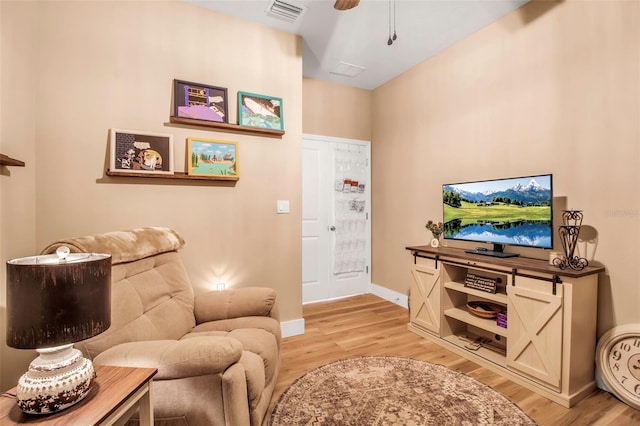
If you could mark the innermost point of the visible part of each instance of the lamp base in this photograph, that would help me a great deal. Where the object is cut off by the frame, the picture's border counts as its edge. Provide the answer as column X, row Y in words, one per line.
column 59, row 378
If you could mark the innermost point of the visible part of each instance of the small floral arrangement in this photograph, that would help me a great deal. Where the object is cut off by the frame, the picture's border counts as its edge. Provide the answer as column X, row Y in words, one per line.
column 436, row 228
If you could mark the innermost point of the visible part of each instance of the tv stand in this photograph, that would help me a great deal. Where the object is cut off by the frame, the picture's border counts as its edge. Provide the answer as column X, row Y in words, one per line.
column 549, row 343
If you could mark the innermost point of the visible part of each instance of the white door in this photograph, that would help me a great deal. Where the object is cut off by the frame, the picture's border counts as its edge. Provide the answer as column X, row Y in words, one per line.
column 315, row 238
column 336, row 225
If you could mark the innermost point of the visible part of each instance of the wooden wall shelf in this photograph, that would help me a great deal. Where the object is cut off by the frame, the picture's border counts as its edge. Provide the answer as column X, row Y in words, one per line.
column 8, row 161
column 212, row 125
column 175, row 175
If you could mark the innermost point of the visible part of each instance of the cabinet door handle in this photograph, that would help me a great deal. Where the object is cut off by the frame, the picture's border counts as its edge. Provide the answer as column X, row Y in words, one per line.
column 332, row 228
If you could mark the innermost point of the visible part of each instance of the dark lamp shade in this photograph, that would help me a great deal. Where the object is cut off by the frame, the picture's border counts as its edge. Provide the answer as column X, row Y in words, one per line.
column 52, row 302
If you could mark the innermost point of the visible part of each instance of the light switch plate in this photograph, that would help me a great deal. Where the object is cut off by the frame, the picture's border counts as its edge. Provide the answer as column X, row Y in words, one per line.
column 283, row 206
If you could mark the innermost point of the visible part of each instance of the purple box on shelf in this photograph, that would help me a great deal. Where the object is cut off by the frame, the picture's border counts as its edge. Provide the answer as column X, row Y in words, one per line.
column 501, row 319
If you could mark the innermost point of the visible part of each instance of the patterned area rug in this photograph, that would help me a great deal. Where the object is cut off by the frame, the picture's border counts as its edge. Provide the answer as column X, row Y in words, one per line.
column 392, row 391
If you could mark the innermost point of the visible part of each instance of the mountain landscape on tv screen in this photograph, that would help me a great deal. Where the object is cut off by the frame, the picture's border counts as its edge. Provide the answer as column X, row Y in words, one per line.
column 531, row 193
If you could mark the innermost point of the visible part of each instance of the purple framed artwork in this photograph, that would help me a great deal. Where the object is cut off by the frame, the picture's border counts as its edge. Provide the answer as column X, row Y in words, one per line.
column 200, row 102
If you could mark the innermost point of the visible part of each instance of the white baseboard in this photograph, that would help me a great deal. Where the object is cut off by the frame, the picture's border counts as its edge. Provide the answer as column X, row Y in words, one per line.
column 292, row 328
column 390, row 295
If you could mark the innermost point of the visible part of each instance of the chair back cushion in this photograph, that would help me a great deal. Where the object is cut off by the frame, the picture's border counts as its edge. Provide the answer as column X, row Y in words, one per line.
column 151, row 295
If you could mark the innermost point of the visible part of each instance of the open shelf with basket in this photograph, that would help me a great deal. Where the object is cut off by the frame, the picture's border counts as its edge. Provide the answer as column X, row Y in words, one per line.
column 472, row 299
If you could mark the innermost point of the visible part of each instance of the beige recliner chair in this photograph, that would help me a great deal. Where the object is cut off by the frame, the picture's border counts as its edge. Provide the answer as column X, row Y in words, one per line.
column 217, row 353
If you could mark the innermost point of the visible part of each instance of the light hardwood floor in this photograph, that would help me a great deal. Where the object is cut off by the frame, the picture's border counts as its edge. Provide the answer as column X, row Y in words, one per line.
column 366, row 325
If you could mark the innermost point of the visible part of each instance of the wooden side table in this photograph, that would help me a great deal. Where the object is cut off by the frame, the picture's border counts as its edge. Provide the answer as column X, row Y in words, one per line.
column 113, row 398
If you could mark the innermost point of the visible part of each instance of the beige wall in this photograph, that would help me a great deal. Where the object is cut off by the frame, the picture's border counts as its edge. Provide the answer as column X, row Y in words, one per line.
column 17, row 140
column 92, row 66
column 330, row 109
column 552, row 87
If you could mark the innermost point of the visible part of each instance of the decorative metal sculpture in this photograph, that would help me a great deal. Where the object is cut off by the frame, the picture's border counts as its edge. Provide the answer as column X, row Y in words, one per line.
column 569, row 232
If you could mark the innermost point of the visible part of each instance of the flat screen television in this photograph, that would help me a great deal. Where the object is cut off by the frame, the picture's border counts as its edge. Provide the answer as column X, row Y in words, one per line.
column 513, row 211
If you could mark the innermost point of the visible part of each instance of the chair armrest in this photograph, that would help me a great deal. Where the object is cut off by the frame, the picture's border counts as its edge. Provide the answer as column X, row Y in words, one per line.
column 174, row 359
column 235, row 303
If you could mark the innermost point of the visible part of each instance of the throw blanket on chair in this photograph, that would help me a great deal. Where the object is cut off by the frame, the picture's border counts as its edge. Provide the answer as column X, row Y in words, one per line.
column 124, row 246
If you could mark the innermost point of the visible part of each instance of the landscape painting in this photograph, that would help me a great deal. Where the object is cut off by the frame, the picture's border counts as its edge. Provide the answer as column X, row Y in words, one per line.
column 509, row 211
column 260, row 111
column 213, row 158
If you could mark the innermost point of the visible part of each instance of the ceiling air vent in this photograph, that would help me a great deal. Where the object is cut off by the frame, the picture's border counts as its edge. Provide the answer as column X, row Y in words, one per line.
column 347, row 70
column 285, row 11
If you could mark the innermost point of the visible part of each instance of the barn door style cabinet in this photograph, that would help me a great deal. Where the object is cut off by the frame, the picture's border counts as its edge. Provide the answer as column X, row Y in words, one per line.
column 547, row 341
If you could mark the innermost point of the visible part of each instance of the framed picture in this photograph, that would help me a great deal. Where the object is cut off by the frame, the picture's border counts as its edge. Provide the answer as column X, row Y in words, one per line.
column 200, row 102
column 141, row 152
column 213, row 158
column 260, row 111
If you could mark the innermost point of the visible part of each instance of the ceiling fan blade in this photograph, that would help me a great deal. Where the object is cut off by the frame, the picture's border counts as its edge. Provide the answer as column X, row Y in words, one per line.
column 345, row 4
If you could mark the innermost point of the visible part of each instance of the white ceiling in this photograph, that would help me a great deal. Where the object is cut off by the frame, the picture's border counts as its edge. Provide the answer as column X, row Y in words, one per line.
column 359, row 36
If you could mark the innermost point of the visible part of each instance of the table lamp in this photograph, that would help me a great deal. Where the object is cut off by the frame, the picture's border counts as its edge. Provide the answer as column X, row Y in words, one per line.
column 52, row 302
